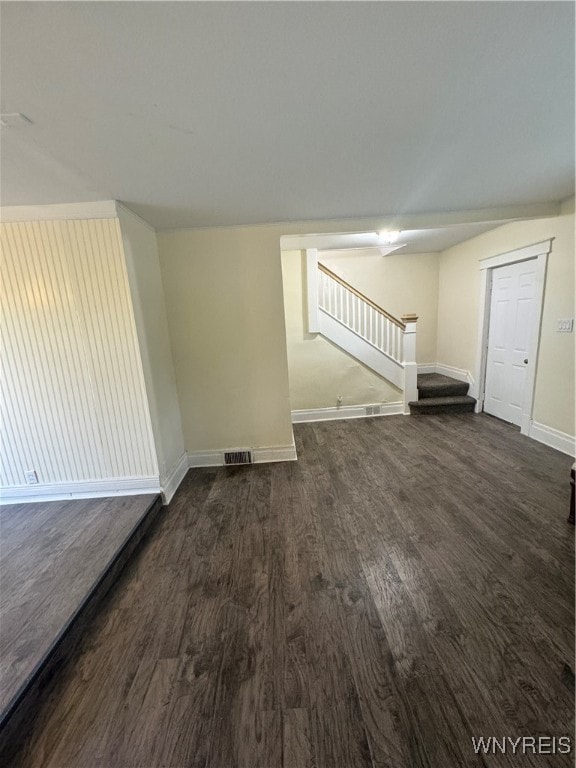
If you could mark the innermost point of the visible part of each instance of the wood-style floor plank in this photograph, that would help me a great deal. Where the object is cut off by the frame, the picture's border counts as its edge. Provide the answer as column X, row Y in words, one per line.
column 406, row 585
column 51, row 555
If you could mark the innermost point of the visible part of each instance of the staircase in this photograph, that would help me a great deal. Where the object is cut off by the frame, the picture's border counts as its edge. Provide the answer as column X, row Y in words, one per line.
column 441, row 394
column 384, row 343
column 352, row 321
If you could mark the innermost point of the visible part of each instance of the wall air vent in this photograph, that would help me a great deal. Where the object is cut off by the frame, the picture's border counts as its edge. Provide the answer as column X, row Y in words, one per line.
column 372, row 410
column 238, row 457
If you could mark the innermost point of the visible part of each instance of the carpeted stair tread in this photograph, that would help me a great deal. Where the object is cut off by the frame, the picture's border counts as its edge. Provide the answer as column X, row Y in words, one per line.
column 433, row 385
column 449, row 404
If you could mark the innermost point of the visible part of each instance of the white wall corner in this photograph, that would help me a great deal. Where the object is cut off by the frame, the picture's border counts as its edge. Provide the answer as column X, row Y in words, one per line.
column 347, row 412
column 91, row 489
column 173, row 478
column 554, row 438
column 123, row 209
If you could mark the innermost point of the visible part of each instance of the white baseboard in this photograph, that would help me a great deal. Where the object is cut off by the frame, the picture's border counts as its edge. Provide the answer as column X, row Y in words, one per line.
column 260, row 456
column 553, row 438
column 91, row 489
column 174, row 478
column 346, row 412
column 456, row 373
column 205, row 459
column 278, row 453
column 427, row 368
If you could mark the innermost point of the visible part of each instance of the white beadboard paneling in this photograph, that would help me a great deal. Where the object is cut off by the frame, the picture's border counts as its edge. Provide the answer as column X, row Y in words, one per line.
column 73, row 402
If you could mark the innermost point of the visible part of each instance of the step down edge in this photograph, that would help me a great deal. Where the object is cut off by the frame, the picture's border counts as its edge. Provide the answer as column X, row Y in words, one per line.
column 438, row 405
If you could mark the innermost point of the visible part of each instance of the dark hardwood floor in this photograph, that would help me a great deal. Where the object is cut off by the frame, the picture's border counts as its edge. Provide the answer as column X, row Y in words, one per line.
column 406, row 585
column 52, row 555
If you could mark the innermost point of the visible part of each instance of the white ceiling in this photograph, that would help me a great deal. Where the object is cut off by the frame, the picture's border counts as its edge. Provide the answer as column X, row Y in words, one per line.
column 202, row 114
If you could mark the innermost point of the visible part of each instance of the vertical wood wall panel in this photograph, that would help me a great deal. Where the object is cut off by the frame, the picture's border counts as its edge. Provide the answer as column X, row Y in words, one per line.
column 73, row 400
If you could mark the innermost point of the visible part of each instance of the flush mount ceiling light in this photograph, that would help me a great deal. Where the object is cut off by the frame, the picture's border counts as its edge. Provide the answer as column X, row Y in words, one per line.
column 13, row 120
column 387, row 238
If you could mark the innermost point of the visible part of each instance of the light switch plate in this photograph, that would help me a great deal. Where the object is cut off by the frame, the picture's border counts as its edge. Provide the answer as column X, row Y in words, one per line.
column 565, row 326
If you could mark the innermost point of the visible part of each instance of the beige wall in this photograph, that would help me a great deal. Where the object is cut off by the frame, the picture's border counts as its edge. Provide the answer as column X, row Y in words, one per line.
column 73, row 396
column 458, row 299
column 399, row 283
column 77, row 386
column 225, row 302
column 223, row 291
column 143, row 267
column 225, row 306
column 318, row 370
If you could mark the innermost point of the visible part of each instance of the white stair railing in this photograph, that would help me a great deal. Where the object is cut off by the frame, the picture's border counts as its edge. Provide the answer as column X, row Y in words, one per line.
column 360, row 314
column 393, row 339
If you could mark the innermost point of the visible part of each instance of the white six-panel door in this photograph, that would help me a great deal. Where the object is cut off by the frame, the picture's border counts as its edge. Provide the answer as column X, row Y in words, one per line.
column 512, row 315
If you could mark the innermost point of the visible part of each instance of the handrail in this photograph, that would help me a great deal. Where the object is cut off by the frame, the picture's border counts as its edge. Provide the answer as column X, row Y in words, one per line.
column 361, row 296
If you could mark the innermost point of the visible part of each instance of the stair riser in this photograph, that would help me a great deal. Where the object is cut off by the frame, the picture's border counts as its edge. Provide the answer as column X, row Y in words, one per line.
column 438, row 409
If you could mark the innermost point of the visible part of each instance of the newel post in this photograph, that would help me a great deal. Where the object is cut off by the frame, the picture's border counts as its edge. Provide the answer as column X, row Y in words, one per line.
column 409, row 360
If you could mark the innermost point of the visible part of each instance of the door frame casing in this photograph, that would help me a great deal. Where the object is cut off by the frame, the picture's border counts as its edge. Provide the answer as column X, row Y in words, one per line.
column 539, row 252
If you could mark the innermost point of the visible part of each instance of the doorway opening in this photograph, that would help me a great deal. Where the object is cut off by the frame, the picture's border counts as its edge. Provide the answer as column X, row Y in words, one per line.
column 512, row 294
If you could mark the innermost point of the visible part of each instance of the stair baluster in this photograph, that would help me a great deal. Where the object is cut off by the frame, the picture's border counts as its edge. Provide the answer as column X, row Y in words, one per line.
column 390, row 343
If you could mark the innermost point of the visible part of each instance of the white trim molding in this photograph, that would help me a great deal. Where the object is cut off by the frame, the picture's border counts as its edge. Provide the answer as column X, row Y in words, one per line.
column 348, row 412
column 277, row 453
column 338, row 241
column 330, row 241
column 205, row 459
column 448, row 370
column 520, row 254
column 173, row 479
column 103, row 209
column 554, row 438
column 460, row 374
column 539, row 252
column 427, row 368
column 121, row 208
column 91, row 489
column 265, row 455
